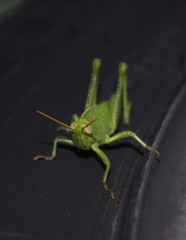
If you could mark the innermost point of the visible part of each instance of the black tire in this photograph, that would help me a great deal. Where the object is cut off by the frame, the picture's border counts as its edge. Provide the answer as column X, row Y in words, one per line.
column 46, row 54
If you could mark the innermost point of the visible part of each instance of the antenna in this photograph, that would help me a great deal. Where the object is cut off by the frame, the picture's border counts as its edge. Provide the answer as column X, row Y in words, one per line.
column 55, row 120
column 88, row 124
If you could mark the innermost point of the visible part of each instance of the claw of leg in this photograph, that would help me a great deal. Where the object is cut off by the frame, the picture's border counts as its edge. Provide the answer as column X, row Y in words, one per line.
column 155, row 151
column 108, row 190
column 43, row 157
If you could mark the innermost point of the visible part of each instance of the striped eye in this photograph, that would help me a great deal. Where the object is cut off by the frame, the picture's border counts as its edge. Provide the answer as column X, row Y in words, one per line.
column 87, row 128
column 73, row 125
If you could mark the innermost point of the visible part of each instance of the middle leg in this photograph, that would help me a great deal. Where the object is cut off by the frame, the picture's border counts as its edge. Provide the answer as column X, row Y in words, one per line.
column 125, row 134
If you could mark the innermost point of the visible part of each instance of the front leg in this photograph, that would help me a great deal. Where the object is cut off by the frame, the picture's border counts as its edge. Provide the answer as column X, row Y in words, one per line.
column 126, row 134
column 106, row 161
column 54, row 149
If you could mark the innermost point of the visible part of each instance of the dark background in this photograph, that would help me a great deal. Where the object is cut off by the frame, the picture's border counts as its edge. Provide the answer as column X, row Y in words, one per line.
column 46, row 51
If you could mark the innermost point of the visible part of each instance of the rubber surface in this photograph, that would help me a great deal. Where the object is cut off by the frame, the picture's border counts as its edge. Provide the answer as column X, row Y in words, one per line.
column 46, row 50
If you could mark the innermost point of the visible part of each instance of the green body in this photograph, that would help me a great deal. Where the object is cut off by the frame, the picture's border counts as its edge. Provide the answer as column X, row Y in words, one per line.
column 98, row 123
column 106, row 113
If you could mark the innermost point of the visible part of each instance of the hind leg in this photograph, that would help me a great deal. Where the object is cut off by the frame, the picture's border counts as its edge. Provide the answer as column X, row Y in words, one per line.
column 116, row 100
column 126, row 103
column 92, row 92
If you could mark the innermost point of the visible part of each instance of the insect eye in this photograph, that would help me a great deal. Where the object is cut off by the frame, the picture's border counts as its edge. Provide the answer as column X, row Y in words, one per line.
column 73, row 125
column 87, row 128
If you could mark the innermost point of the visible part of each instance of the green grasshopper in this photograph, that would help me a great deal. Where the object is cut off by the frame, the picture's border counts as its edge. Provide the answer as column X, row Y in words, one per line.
column 98, row 123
